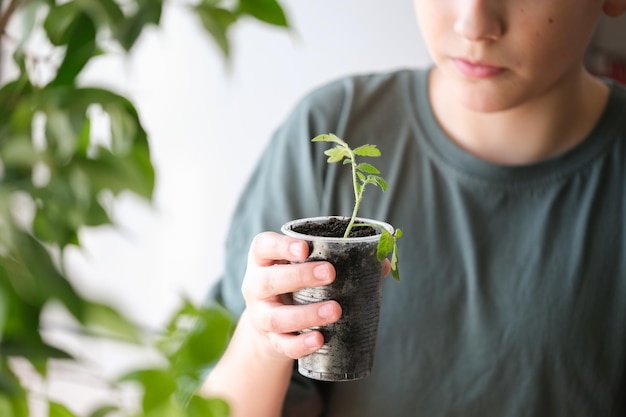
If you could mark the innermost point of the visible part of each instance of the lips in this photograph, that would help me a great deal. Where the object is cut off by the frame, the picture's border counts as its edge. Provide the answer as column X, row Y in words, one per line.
column 476, row 69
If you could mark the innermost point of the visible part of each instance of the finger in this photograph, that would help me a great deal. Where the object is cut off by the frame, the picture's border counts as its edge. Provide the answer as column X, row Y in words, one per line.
column 269, row 247
column 278, row 318
column 387, row 267
column 296, row 346
column 271, row 281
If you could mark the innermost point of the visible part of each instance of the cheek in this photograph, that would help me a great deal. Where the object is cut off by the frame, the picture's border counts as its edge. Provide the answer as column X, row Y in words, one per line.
column 556, row 43
column 552, row 34
column 433, row 23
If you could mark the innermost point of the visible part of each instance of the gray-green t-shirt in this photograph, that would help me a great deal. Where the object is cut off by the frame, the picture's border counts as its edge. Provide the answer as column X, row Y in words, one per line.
column 513, row 294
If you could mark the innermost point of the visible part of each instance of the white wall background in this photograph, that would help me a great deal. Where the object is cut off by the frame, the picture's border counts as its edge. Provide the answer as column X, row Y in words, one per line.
column 207, row 125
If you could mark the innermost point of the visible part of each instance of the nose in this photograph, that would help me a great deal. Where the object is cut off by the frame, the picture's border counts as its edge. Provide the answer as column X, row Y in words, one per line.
column 479, row 20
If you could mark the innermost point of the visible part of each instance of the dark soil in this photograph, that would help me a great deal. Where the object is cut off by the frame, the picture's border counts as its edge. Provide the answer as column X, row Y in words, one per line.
column 334, row 227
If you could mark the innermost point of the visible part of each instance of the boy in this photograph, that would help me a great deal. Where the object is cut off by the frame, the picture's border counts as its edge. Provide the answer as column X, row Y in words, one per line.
column 506, row 171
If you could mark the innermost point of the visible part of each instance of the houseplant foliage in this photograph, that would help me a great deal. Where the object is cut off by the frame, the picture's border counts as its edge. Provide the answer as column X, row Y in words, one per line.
column 57, row 178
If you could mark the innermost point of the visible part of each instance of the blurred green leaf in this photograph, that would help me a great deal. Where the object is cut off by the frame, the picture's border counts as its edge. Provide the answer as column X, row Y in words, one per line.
column 129, row 29
column 165, row 409
column 81, row 47
column 22, row 117
column 59, row 410
column 115, row 173
column 268, row 11
column 14, row 106
column 205, row 341
column 13, row 399
column 58, row 24
column 104, row 411
column 33, row 351
column 42, row 270
column 60, row 134
column 159, row 386
column 106, row 13
column 84, row 139
column 18, row 153
column 216, row 21
column 204, row 407
column 7, row 385
column 115, row 325
column 13, row 407
column 96, row 215
column 23, row 303
column 6, row 410
column 124, row 127
column 29, row 12
column 4, row 305
column 57, row 218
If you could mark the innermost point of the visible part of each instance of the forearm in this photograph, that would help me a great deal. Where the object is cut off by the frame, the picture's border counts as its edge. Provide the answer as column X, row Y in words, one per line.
column 253, row 383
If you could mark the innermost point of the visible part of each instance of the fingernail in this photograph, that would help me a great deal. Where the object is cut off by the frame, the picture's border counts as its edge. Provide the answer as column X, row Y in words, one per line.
column 321, row 272
column 296, row 249
column 326, row 311
column 310, row 341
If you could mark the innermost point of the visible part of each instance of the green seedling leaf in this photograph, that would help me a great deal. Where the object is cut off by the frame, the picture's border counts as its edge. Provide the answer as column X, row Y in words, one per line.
column 385, row 245
column 337, row 154
column 395, row 273
column 328, row 138
column 367, row 150
column 380, row 182
column 367, row 168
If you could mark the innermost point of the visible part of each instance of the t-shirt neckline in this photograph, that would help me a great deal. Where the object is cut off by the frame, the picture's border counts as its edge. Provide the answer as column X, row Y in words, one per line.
column 453, row 157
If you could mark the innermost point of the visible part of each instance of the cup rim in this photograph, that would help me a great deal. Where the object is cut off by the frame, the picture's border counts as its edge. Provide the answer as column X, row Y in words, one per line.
column 286, row 229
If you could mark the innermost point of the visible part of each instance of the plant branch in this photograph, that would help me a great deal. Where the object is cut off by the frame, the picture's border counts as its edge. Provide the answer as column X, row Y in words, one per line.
column 357, row 195
column 8, row 12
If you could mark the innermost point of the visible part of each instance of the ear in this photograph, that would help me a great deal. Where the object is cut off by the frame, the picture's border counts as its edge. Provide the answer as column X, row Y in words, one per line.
column 614, row 8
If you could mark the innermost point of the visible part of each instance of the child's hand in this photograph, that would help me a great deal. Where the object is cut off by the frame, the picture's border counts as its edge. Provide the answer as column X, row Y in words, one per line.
column 270, row 279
